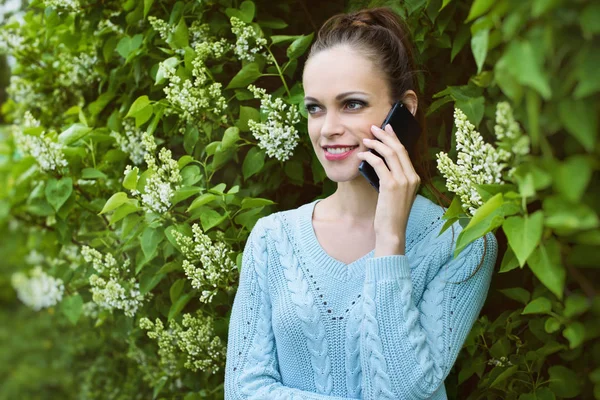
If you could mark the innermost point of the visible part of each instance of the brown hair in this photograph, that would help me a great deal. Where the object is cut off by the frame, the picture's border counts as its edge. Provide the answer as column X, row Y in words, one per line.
column 381, row 34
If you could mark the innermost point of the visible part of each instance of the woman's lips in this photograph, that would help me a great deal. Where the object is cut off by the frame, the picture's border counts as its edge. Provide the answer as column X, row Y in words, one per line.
column 337, row 157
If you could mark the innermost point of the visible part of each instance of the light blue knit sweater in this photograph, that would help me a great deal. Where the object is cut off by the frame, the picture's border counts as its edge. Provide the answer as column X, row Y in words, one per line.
column 307, row 326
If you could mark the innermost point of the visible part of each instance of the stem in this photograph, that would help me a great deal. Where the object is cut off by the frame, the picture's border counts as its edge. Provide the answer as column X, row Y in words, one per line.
column 280, row 73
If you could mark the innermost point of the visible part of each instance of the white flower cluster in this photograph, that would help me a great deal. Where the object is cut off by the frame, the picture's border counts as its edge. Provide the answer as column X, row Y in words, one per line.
column 193, row 99
column 101, row 264
column 9, row 39
column 162, row 182
column 63, row 5
column 76, row 70
column 23, row 91
column 199, row 32
column 207, row 264
column 90, row 310
column 478, row 163
column 131, row 142
column 502, row 362
column 509, row 132
column 195, row 338
column 48, row 153
column 160, row 26
column 249, row 43
column 277, row 135
column 109, row 26
column 39, row 290
column 114, row 294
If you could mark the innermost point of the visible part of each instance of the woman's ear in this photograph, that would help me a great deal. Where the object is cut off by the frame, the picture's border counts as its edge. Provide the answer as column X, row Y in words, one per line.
column 411, row 101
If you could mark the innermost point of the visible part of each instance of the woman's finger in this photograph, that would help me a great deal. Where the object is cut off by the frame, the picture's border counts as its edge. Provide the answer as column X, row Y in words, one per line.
column 400, row 149
column 378, row 165
column 388, row 154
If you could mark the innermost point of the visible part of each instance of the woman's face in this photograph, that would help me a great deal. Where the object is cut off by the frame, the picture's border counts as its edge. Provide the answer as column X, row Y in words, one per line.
column 345, row 93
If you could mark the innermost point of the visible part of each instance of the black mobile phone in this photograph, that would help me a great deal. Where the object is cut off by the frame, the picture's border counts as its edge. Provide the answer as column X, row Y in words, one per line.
column 407, row 129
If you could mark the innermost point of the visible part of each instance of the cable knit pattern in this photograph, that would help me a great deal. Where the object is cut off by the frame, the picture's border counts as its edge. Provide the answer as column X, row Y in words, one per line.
column 307, row 312
column 306, row 326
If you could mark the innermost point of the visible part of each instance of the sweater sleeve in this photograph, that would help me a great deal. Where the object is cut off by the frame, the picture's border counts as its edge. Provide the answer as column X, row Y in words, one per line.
column 408, row 349
column 252, row 370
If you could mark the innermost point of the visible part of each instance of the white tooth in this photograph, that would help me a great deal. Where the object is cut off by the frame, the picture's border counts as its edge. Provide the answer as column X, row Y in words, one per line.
column 339, row 150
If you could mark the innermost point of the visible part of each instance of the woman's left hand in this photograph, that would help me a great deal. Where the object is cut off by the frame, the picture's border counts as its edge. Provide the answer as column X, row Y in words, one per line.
column 398, row 188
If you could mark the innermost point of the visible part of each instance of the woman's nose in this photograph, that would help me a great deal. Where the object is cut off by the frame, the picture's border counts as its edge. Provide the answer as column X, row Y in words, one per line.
column 332, row 124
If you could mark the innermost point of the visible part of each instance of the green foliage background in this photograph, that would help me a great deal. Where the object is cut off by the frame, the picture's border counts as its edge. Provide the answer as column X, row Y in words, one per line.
column 537, row 337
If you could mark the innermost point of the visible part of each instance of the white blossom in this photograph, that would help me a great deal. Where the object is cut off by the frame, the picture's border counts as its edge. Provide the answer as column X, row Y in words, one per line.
column 46, row 151
column 113, row 294
column 163, row 180
column 508, row 131
column 478, row 163
column 207, row 265
column 160, row 26
column 277, row 135
column 38, row 290
column 101, row 264
column 131, row 141
column 249, row 42
column 195, row 338
column 63, row 5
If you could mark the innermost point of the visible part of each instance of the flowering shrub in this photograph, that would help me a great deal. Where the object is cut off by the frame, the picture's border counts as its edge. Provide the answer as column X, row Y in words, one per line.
column 145, row 139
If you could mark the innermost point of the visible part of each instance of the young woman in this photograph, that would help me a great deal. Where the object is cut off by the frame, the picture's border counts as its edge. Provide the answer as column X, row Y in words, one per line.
column 356, row 295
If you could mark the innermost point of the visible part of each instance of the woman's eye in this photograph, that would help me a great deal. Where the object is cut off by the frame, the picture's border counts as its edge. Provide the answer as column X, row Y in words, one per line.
column 312, row 108
column 354, row 105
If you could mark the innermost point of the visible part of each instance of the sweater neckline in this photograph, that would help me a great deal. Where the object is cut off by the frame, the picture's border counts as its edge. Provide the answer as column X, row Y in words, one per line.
column 333, row 266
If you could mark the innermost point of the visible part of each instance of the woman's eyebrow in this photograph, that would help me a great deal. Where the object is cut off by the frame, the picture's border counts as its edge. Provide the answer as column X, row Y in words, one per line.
column 338, row 97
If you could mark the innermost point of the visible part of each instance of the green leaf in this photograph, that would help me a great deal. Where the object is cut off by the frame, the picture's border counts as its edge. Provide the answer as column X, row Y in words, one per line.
column 127, row 45
column 473, row 108
column 159, row 386
column 73, row 133
column 179, row 305
column 138, row 105
column 552, row 325
column 283, row 38
column 116, row 200
column 299, row 46
column 147, row 7
column 248, row 74
column 509, row 261
column 72, row 306
column 58, row 191
column 170, row 62
column 524, row 234
column 575, row 334
column 179, row 39
column 541, row 305
column 478, row 8
column 124, row 210
column 176, row 289
column 519, row 294
column 510, row 371
column 201, row 200
column 567, row 217
column 545, row 263
column 452, row 214
column 255, row 202
column 273, row 23
column 564, row 382
column 131, row 179
column 479, row 46
column 190, row 175
column 92, row 173
column 254, row 162
column 526, row 68
column 572, row 177
column 581, row 121
column 487, row 217
column 184, row 192
column 150, row 240
column 247, row 114
column 575, row 305
column 230, row 137
column 247, row 11
column 210, row 218
column 149, row 280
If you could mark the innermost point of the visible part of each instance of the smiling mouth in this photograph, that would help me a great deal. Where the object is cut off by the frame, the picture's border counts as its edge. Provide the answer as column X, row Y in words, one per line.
column 339, row 150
